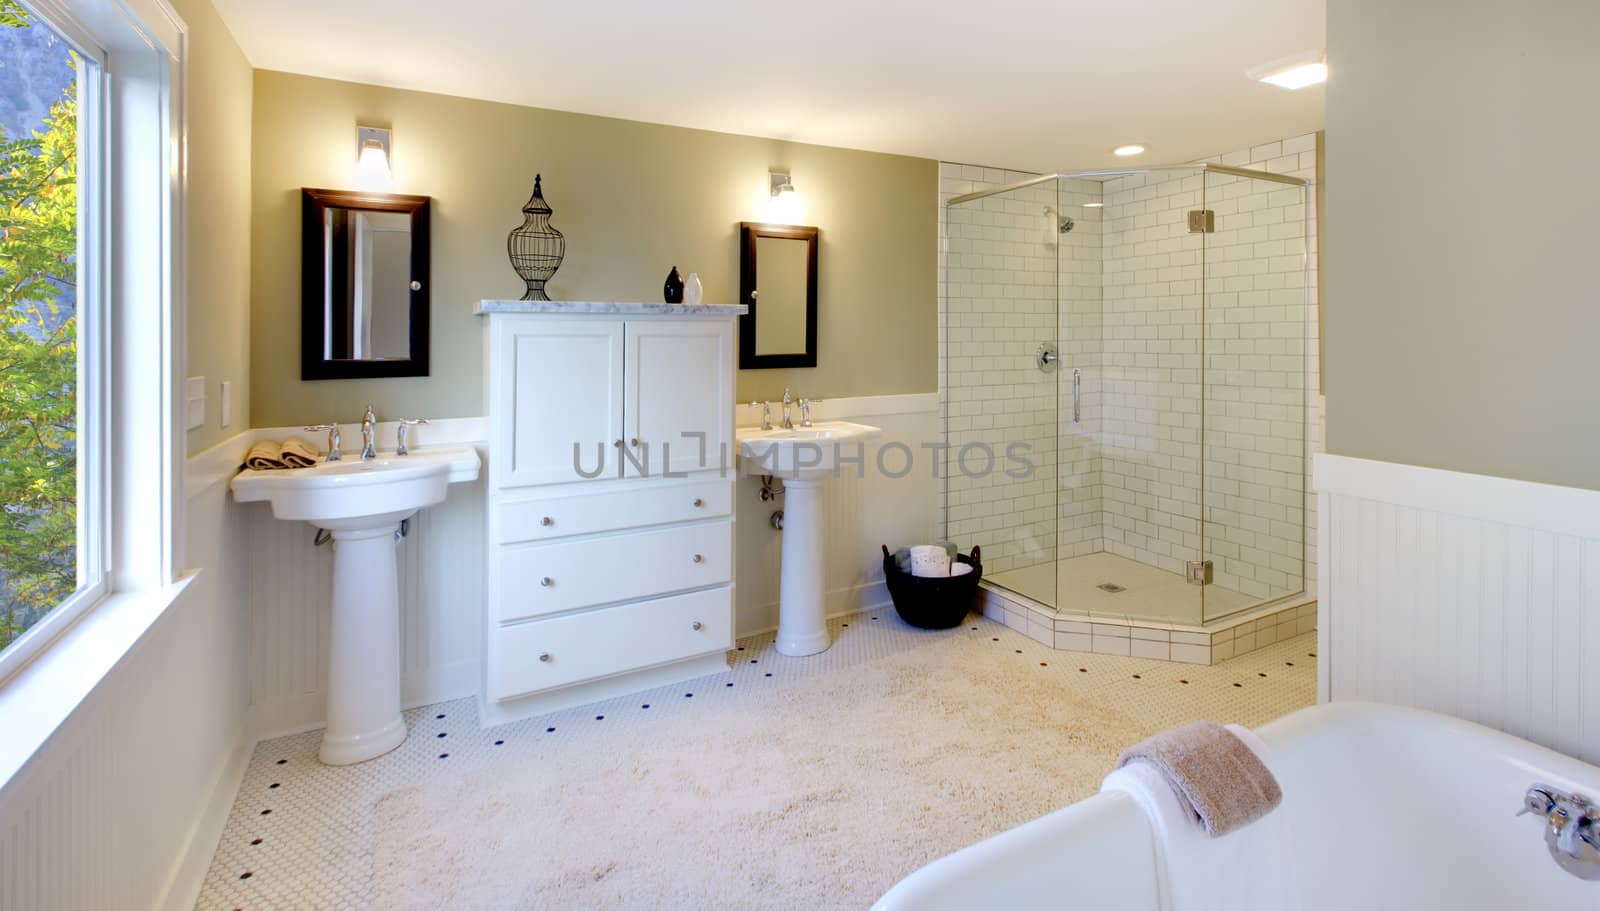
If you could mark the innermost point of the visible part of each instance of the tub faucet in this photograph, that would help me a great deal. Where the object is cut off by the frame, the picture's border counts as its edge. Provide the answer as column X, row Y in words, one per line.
column 369, row 430
column 1572, row 828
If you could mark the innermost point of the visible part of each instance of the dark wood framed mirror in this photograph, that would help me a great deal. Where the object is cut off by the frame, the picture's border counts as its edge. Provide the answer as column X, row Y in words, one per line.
column 778, row 281
column 364, row 285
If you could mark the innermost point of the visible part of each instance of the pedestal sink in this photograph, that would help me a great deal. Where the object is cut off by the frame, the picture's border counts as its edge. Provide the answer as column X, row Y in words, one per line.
column 362, row 504
column 804, row 457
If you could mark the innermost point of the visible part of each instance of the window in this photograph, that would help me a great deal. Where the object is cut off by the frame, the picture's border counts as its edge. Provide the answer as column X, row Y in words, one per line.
column 48, row 544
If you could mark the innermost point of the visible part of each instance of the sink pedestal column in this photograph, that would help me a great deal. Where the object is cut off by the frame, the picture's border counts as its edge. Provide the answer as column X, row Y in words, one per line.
column 364, row 719
column 802, row 619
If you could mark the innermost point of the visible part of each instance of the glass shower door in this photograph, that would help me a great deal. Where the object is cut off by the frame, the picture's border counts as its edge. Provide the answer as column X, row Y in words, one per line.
column 999, row 466
column 1256, row 275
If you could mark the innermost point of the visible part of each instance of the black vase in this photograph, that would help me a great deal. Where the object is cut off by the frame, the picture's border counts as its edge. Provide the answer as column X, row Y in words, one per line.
column 673, row 289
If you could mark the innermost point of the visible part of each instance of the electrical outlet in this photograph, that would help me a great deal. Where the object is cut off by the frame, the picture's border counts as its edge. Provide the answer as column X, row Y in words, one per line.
column 227, row 402
column 194, row 410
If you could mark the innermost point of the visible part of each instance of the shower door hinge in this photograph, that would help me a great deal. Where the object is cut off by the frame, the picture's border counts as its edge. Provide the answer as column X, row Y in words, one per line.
column 1199, row 572
column 1202, row 221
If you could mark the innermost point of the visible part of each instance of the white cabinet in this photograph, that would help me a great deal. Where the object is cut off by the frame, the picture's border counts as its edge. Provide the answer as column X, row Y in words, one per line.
column 611, row 570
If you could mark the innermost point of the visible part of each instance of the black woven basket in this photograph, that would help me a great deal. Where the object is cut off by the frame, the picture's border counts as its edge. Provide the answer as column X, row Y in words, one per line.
column 928, row 601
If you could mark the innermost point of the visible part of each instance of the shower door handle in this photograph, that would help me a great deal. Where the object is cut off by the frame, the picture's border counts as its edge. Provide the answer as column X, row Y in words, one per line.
column 1077, row 383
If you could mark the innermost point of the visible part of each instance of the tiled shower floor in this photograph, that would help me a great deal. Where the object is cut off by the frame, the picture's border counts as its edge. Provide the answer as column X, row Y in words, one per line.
column 1071, row 586
column 300, row 835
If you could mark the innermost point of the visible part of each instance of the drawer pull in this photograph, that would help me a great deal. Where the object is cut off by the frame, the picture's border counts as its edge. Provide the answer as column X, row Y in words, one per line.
column 547, row 582
column 545, row 657
column 697, row 626
column 547, row 521
column 698, row 502
column 699, row 559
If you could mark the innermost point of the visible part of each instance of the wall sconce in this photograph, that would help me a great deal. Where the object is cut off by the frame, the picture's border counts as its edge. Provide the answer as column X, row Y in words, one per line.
column 373, row 146
column 784, row 208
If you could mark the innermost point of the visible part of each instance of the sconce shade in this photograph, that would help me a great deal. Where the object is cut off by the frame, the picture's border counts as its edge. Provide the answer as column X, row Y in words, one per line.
column 535, row 247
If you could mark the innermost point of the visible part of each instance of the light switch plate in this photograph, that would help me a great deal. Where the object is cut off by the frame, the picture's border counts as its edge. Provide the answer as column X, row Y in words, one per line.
column 194, row 409
column 227, row 402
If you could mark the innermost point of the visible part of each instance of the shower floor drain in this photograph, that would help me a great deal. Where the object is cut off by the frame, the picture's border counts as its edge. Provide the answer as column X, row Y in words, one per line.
column 1111, row 587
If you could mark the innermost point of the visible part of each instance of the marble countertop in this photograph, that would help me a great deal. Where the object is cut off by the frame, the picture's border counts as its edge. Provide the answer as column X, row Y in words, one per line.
column 614, row 307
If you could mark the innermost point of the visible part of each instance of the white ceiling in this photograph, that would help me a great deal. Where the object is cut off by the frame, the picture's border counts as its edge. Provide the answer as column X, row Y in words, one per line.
column 1027, row 84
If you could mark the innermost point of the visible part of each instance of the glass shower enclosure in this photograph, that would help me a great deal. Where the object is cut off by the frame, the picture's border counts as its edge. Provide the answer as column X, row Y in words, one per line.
column 1124, row 389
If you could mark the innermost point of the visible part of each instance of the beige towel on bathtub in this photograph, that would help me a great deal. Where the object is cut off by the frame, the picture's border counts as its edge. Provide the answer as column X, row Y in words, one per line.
column 265, row 456
column 1220, row 780
column 297, row 453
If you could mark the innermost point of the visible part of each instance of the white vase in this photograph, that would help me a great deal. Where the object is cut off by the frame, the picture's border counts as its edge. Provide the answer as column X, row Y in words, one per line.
column 692, row 289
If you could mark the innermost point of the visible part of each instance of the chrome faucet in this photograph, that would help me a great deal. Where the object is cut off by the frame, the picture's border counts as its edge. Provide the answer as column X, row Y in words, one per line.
column 805, row 412
column 788, row 399
column 369, row 431
column 766, row 414
column 333, row 440
column 400, row 447
column 1572, row 828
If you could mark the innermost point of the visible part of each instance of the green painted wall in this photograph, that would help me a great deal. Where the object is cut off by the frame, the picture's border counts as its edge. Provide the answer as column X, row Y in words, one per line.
column 633, row 199
column 1462, row 319
column 218, row 209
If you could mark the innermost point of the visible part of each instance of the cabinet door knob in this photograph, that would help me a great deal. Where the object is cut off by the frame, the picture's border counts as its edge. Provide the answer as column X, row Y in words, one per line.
column 547, row 521
column 547, row 582
column 697, row 626
column 698, row 502
column 634, row 442
column 545, row 657
column 617, row 443
column 699, row 559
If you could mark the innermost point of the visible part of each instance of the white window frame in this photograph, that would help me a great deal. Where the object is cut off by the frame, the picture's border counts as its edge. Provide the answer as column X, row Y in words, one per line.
column 131, row 251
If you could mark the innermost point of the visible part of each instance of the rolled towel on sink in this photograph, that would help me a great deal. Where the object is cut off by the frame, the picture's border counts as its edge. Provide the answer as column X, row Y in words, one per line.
column 297, row 453
column 265, row 456
column 1220, row 781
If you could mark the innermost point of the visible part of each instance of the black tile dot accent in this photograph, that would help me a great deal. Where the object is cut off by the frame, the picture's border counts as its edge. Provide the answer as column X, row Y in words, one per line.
column 246, row 875
column 1044, row 664
column 1289, row 663
column 769, row 673
column 688, row 695
column 1261, row 675
column 255, row 841
column 439, row 717
column 874, row 618
column 645, row 706
column 728, row 684
column 549, row 730
column 844, row 624
column 1137, row 677
column 995, row 639
column 441, row 734
column 1019, row 651
column 444, row 755
column 741, row 648
column 974, row 629
column 266, row 812
column 1240, row 685
column 599, row 717
column 754, row 661
column 273, row 787
column 282, row 761
column 1183, row 681
column 1083, row 670
column 499, row 743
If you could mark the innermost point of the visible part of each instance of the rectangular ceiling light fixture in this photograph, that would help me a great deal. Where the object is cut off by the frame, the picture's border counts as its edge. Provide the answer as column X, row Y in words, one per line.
column 1297, row 72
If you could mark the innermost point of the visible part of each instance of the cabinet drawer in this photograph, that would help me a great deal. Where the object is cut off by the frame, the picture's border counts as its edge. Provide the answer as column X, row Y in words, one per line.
column 538, row 579
column 545, row 654
column 594, row 510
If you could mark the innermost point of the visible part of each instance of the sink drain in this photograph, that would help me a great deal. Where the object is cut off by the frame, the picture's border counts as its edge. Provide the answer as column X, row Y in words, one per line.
column 1111, row 587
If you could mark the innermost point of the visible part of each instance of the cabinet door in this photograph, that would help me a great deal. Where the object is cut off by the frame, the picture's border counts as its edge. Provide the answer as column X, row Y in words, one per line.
column 680, row 381
column 557, row 383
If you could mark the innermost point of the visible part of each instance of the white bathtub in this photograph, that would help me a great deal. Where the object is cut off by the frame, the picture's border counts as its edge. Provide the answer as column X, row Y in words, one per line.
column 1388, row 808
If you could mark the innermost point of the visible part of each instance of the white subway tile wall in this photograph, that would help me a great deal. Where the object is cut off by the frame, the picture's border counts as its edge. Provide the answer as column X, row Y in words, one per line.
column 1196, row 416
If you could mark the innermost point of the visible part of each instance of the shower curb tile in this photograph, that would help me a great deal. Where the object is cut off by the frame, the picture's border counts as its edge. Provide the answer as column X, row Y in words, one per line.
column 1145, row 648
column 1153, row 635
column 1073, row 626
column 1191, row 654
column 1102, row 630
column 1111, row 646
column 1074, row 642
column 1184, row 637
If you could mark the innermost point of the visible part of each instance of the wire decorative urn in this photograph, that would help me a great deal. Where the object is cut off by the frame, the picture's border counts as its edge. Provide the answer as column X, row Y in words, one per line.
column 535, row 247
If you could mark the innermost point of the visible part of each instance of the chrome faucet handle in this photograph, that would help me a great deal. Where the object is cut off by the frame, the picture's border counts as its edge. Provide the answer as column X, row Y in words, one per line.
column 400, row 447
column 369, row 431
column 766, row 414
column 805, row 412
column 1572, row 828
column 333, row 439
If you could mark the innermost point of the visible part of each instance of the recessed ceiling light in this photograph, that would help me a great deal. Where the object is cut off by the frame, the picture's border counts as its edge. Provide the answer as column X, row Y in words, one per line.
column 1130, row 149
column 1093, row 205
column 1295, row 72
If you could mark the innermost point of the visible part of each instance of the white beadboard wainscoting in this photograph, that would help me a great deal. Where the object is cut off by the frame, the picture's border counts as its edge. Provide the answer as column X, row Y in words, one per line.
column 442, row 563
column 1470, row 595
column 123, row 806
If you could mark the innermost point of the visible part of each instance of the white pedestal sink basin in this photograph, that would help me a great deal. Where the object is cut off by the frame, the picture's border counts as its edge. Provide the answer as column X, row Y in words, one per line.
column 362, row 503
column 804, row 457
